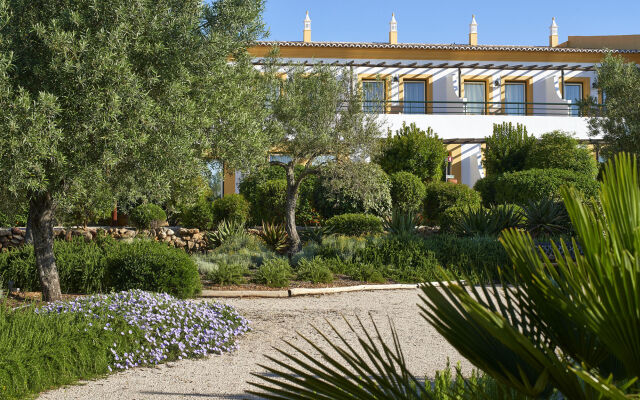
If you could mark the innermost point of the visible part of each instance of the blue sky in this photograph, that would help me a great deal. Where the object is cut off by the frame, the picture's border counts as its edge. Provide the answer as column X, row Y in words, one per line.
column 499, row 22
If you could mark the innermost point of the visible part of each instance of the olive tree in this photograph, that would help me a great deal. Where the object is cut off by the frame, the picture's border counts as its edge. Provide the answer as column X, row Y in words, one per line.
column 320, row 119
column 121, row 97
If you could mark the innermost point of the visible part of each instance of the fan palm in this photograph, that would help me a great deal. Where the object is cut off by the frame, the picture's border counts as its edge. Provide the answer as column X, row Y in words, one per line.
column 566, row 330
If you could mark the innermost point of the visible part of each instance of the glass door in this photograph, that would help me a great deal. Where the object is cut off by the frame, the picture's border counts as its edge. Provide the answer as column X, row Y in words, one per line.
column 474, row 92
column 373, row 92
column 573, row 92
column 514, row 98
column 414, row 97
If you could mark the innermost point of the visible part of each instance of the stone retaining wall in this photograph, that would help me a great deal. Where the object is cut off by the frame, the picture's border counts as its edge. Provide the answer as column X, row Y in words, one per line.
column 191, row 240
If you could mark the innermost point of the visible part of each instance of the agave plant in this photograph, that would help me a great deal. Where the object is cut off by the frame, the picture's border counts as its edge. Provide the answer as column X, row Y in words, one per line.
column 487, row 222
column 401, row 223
column 569, row 330
column 225, row 231
column 545, row 218
column 316, row 234
column 274, row 236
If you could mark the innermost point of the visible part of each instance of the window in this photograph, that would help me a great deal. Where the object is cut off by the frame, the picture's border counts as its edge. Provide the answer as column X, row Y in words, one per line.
column 215, row 178
column 283, row 158
column 414, row 97
column 475, row 93
column 373, row 92
column 573, row 92
column 514, row 92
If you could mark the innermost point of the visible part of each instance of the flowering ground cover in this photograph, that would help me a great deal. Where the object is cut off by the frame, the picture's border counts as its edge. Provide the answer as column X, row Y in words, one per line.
column 63, row 342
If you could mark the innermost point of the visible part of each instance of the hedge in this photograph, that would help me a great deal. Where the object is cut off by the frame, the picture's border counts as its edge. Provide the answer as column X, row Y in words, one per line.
column 355, row 224
column 407, row 192
column 442, row 195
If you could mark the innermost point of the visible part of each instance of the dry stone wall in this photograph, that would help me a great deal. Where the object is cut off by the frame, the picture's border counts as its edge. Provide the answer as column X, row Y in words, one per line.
column 191, row 240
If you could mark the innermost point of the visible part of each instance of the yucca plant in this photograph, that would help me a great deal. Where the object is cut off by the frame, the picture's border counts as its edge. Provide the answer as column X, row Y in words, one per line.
column 569, row 330
column 546, row 217
column 401, row 223
column 225, row 231
column 316, row 234
column 274, row 236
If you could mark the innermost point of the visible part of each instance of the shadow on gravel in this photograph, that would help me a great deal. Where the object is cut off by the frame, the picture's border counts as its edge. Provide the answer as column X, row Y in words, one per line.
column 203, row 395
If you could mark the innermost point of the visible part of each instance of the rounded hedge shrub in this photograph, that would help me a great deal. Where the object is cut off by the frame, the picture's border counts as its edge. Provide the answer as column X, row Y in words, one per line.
column 355, row 224
column 560, row 150
column 232, row 207
column 199, row 215
column 487, row 189
column 522, row 187
column 407, row 192
column 414, row 150
column 147, row 216
column 358, row 187
column 152, row 266
column 442, row 195
column 270, row 201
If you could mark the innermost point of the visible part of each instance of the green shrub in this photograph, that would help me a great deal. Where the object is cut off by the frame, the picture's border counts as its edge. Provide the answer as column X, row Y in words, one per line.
column 152, row 266
column 253, row 189
column 271, row 201
column 475, row 257
column 364, row 272
column 275, row 272
column 442, row 195
column 232, row 207
column 355, row 224
column 507, row 148
column 560, row 150
column 252, row 256
column 80, row 264
column 274, row 236
column 413, row 150
column 487, row 189
column 545, row 218
column 537, row 184
column 353, row 188
column 401, row 259
column 147, row 216
column 228, row 231
column 228, row 274
column 199, row 215
column 401, row 224
column 407, row 192
column 315, row 271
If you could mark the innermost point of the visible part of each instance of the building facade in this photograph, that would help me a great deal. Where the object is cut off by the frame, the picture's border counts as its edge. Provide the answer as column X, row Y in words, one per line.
column 461, row 90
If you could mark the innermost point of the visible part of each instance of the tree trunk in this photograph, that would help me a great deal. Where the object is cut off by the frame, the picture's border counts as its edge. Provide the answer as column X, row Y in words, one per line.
column 28, row 236
column 41, row 217
column 290, row 211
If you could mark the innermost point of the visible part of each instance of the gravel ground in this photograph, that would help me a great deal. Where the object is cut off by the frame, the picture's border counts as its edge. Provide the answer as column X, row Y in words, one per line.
column 272, row 320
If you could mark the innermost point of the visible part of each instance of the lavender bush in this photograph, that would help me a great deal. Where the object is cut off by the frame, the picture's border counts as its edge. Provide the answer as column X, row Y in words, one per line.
column 163, row 327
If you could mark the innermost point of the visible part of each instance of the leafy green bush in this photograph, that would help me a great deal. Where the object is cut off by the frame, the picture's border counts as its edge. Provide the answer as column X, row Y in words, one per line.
column 442, row 195
column 80, row 265
column 487, row 189
column 199, row 215
column 488, row 222
column 358, row 187
column 270, row 201
column 342, row 247
column 560, row 150
column 546, row 218
column 536, row 184
column 413, row 150
column 314, row 270
column 228, row 274
column 147, row 216
column 232, row 207
column 507, row 148
column 407, row 192
column 364, row 272
column 355, row 224
column 152, row 266
column 275, row 272
column 251, row 256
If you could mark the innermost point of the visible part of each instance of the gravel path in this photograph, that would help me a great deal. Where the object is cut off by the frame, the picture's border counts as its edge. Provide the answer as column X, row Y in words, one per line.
column 272, row 320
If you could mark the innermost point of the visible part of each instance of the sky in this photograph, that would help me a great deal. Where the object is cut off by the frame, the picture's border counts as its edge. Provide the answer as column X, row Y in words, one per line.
column 447, row 21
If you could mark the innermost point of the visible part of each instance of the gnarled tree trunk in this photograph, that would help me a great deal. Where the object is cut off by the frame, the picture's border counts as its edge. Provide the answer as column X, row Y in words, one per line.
column 290, row 212
column 41, row 218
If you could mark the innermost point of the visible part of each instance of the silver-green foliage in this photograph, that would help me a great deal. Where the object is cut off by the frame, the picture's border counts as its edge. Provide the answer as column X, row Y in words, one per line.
column 275, row 272
column 315, row 271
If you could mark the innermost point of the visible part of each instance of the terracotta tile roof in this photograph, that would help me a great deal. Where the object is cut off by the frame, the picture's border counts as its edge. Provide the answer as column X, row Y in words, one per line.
column 423, row 46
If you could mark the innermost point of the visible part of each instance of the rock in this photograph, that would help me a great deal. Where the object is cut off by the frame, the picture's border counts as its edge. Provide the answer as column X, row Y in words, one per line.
column 15, row 241
column 17, row 232
column 193, row 231
column 186, row 238
column 183, row 231
column 167, row 239
column 170, row 232
column 5, row 232
column 197, row 236
column 190, row 245
column 179, row 243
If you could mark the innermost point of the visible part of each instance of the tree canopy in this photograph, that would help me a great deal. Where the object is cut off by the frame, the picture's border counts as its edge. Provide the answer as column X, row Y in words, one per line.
column 123, row 98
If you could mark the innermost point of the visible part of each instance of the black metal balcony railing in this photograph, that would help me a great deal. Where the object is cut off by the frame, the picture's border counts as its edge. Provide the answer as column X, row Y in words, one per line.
column 482, row 108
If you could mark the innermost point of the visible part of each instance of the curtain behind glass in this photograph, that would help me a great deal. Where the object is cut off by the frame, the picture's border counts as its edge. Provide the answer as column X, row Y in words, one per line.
column 414, row 98
column 474, row 92
column 573, row 92
column 373, row 96
column 514, row 93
